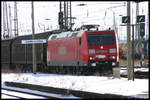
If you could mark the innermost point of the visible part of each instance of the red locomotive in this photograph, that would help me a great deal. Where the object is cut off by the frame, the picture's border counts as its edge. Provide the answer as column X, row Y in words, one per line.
column 83, row 50
column 89, row 48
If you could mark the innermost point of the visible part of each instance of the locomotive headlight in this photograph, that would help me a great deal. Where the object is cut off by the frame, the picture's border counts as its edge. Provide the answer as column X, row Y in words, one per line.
column 91, row 58
column 91, row 51
column 112, row 57
column 112, row 50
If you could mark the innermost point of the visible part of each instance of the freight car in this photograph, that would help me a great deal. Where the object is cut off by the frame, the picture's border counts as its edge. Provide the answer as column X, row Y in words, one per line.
column 16, row 55
column 6, row 53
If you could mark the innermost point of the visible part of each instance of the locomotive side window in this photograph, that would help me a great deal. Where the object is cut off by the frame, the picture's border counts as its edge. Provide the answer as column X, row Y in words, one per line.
column 74, row 34
column 100, row 39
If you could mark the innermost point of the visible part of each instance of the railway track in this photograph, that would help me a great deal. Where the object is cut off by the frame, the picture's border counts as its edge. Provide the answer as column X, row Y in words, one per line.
column 11, row 96
column 34, row 93
column 22, row 94
column 64, row 93
column 19, row 94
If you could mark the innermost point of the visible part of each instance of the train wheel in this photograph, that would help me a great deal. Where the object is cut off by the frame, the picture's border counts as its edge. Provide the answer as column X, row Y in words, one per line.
column 53, row 69
column 67, row 70
column 77, row 70
column 97, row 73
column 57, row 70
column 81, row 70
column 86, row 71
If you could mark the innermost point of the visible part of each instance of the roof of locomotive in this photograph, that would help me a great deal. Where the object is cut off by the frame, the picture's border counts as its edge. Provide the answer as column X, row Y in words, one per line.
column 70, row 34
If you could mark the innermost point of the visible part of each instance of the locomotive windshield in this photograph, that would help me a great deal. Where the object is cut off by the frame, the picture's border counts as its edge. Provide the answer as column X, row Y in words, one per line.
column 101, row 39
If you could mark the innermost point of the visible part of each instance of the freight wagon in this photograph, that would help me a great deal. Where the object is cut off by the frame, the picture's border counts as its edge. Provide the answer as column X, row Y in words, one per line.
column 16, row 55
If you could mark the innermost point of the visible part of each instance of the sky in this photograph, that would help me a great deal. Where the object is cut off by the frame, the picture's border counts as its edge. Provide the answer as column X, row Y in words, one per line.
column 102, row 13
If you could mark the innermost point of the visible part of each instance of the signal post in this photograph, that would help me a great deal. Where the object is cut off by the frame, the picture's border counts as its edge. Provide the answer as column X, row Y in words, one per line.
column 126, row 19
column 130, row 55
column 33, row 45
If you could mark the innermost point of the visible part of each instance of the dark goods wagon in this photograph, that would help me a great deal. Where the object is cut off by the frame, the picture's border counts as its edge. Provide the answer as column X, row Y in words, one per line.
column 22, row 53
column 6, row 54
column 18, row 55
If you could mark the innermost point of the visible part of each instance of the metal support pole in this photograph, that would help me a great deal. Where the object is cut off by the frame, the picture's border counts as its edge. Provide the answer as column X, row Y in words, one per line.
column 129, row 58
column 33, row 45
column 60, row 6
column 133, row 51
column 7, row 36
column 65, row 17
column 70, row 17
column 137, row 26
column 5, row 29
column 10, row 23
column 67, row 14
column 15, row 19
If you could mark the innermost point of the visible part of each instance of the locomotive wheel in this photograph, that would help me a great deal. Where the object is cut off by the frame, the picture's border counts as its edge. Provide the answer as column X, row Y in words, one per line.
column 86, row 71
column 81, row 70
column 63, row 71
column 97, row 73
column 57, row 70
column 67, row 70
column 76, row 69
column 78, row 72
column 53, row 69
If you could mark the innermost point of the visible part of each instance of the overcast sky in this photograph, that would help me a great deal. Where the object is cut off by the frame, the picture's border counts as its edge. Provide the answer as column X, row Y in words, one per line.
column 92, row 13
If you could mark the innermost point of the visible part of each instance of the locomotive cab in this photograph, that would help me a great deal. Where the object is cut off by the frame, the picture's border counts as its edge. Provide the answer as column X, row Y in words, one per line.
column 102, row 48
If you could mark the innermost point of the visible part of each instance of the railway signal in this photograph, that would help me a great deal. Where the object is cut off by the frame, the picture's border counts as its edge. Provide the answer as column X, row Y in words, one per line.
column 140, row 18
column 142, row 29
column 126, row 19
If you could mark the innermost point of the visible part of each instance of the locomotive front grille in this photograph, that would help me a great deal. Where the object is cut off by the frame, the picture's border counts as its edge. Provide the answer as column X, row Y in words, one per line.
column 97, row 63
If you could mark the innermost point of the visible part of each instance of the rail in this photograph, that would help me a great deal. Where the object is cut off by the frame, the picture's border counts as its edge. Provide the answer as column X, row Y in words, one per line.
column 10, row 95
column 32, row 94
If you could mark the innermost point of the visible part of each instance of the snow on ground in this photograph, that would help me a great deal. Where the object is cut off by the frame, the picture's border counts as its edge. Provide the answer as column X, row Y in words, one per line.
column 97, row 84
column 123, row 71
column 7, row 97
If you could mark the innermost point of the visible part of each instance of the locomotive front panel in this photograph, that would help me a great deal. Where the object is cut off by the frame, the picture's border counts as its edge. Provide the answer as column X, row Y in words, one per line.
column 102, row 48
